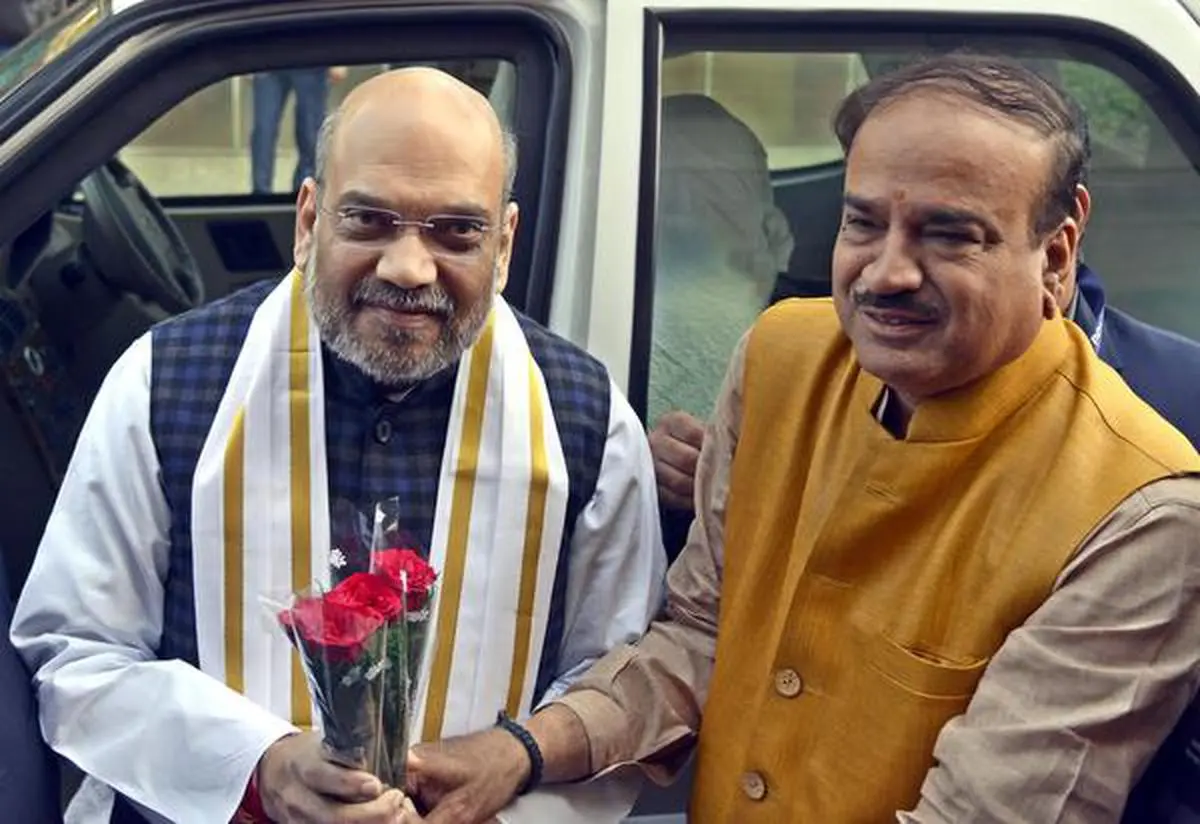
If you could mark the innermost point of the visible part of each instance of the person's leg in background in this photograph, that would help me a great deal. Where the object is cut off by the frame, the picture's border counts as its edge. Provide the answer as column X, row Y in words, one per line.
column 270, row 94
column 312, row 90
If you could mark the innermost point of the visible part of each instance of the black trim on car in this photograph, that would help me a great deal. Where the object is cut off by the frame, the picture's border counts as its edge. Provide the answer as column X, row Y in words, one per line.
column 192, row 45
column 643, row 285
column 1156, row 80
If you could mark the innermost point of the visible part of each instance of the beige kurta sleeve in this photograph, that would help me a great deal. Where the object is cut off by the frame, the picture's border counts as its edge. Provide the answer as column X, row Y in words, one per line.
column 1078, row 698
column 643, row 702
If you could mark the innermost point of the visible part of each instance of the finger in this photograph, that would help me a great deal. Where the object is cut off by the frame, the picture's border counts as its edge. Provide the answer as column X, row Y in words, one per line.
column 429, row 773
column 673, row 484
column 409, row 814
column 683, row 427
column 683, row 456
column 669, row 500
column 346, row 785
column 388, row 808
column 456, row 808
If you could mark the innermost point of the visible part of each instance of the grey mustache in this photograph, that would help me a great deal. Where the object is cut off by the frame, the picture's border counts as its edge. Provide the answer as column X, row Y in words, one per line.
column 900, row 302
column 426, row 299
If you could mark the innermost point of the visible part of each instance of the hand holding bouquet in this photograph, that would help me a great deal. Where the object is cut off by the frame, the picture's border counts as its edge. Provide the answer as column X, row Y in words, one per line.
column 361, row 644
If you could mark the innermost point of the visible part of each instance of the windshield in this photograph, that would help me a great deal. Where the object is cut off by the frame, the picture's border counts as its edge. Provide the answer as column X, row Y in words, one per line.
column 51, row 40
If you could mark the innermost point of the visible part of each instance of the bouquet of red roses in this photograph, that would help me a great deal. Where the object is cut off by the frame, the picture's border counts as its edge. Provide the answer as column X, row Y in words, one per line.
column 361, row 644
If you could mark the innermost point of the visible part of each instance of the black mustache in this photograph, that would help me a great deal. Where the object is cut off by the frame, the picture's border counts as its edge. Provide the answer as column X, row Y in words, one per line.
column 430, row 299
column 901, row 302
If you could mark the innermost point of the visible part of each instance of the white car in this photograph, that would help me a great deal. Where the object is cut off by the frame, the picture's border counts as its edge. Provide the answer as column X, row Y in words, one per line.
column 163, row 85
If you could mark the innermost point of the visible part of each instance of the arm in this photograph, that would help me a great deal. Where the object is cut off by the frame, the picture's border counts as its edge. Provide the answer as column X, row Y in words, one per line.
column 1078, row 699
column 637, row 702
column 643, row 703
column 91, row 618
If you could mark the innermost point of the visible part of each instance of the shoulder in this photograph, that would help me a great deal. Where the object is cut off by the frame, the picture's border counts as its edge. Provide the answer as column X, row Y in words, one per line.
column 1158, row 366
column 222, row 323
column 819, row 311
column 192, row 355
column 799, row 322
column 1140, row 338
column 798, row 337
column 571, row 374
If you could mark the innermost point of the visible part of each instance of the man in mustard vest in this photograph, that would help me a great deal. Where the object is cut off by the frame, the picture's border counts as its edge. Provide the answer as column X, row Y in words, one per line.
column 945, row 563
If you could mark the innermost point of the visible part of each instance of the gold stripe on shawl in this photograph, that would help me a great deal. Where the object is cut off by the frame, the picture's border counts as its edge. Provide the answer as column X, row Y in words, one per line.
column 535, row 519
column 459, row 531
column 299, row 400
column 232, row 527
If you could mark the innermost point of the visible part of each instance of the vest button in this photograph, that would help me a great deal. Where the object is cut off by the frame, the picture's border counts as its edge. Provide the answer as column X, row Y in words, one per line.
column 788, row 683
column 754, row 786
column 383, row 430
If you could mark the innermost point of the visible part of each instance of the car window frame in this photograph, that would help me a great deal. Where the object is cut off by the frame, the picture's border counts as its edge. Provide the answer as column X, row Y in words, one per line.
column 135, row 67
column 1173, row 99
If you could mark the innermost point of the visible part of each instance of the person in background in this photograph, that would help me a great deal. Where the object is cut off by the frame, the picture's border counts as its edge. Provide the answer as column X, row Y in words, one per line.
column 945, row 563
column 722, row 242
column 271, row 91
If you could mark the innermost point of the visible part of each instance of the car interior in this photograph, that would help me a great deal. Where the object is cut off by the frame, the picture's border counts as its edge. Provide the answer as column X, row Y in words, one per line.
column 110, row 259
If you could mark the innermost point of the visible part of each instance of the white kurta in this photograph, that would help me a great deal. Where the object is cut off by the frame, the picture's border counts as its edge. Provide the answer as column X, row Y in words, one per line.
column 176, row 741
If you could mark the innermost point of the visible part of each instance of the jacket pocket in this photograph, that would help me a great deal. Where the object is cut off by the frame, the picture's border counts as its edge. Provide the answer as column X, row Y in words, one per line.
column 924, row 673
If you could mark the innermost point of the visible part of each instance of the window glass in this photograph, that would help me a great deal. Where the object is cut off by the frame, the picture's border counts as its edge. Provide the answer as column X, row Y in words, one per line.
column 794, row 127
column 256, row 134
column 750, row 192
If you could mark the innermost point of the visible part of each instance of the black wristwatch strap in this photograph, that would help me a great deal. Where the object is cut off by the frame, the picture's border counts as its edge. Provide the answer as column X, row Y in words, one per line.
column 535, row 753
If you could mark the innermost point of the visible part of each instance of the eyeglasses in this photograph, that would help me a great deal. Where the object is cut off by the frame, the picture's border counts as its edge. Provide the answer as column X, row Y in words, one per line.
column 446, row 236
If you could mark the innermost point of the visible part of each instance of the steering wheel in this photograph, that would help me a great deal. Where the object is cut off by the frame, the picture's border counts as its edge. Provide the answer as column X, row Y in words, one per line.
column 132, row 242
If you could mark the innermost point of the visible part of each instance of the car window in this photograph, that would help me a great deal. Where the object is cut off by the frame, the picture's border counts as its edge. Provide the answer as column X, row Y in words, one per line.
column 794, row 127
column 256, row 134
column 750, row 178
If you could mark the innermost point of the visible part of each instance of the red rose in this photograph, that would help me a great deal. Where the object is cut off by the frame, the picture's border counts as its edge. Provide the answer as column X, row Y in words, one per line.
column 420, row 576
column 366, row 590
column 341, row 631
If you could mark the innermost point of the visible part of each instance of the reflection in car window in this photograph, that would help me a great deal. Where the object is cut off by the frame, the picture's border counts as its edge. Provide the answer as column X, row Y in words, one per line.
column 1141, row 237
column 47, row 43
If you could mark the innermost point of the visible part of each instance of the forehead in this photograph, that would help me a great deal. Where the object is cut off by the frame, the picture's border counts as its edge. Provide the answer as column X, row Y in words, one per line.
column 936, row 149
column 416, row 159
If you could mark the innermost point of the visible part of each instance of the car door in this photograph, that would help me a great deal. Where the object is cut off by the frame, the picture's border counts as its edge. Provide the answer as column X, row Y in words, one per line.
column 780, row 69
column 155, row 85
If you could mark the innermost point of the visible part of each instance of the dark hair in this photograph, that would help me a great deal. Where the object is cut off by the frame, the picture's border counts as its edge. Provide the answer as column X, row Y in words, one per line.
column 1002, row 85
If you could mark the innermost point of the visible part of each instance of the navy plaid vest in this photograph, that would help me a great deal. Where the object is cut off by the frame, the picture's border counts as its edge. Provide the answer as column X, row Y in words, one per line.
column 376, row 449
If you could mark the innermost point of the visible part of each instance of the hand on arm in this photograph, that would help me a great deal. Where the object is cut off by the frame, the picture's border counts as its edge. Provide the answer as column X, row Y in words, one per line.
column 467, row 780
column 675, row 443
column 643, row 703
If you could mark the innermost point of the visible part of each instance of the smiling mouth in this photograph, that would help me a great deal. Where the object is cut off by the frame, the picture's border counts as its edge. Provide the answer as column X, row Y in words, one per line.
column 890, row 321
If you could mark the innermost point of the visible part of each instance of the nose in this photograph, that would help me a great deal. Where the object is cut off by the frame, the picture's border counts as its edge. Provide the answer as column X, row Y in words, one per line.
column 894, row 269
column 406, row 262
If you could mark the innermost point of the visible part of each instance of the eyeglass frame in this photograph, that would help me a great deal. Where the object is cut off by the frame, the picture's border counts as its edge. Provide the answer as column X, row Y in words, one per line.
column 398, row 223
